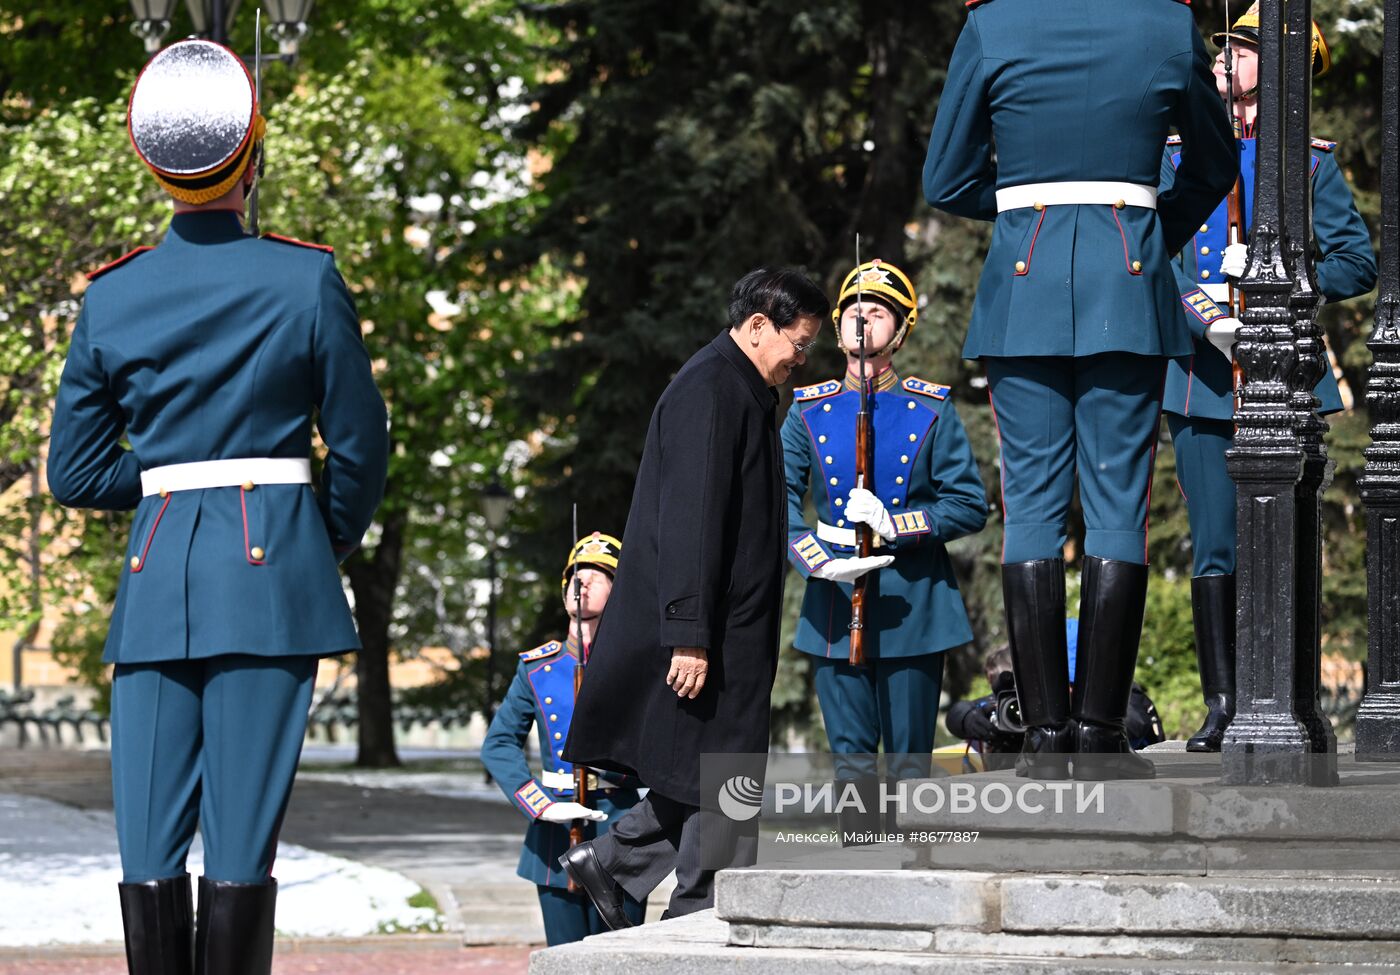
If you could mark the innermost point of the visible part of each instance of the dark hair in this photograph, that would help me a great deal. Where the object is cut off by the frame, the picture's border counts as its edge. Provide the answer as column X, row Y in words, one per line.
column 782, row 295
column 997, row 661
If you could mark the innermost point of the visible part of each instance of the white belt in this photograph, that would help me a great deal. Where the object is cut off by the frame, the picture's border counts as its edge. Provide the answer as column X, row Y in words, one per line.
column 836, row 536
column 564, row 782
column 1077, row 192
column 844, row 536
column 1218, row 293
column 225, row 473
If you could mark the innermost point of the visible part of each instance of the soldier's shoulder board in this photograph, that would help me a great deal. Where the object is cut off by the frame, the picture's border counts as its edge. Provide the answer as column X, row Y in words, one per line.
column 926, row 388
column 975, row 3
column 113, row 265
column 544, row 650
column 1324, row 145
column 1173, row 140
column 817, row 390
column 299, row 243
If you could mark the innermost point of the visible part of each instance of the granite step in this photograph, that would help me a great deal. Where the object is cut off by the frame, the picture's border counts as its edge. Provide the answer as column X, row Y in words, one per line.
column 701, row 945
column 928, row 900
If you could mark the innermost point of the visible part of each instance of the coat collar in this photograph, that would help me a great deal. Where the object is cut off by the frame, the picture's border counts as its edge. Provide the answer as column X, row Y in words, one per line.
column 765, row 394
column 206, row 226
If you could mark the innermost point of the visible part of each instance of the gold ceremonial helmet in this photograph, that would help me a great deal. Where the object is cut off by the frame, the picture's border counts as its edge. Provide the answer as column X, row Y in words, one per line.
column 193, row 119
column 597, row 550
column 1246, row 29
column 883, row 281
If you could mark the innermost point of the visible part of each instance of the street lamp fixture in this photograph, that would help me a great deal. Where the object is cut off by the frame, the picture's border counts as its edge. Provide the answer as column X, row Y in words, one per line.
column 289, row 24
column 152, row 21
column 206, row 17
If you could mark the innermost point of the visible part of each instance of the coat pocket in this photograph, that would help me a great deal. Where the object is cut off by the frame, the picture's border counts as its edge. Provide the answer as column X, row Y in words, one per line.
column 1132, row 261
column 256, row 554
column 1027, row 248
column 138, row 562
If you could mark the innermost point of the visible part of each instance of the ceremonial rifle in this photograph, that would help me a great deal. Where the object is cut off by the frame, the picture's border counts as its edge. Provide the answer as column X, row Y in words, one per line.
column 257, row 107
column 1234, row 209
column 864, row 536
column 580, row 771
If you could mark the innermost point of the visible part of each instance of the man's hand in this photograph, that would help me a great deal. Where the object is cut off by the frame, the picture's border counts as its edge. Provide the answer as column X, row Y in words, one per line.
column 849, row 570
column 689, row 665
column 1223, row 334
column 864, row 507
column 567, row 812
column 978, row 725
column 1234, row 259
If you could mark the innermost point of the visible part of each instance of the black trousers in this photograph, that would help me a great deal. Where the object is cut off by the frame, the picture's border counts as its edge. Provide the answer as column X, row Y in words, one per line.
column 659, row 835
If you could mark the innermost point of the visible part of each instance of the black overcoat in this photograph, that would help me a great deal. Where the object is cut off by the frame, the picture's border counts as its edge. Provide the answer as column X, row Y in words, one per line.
column 702, row 566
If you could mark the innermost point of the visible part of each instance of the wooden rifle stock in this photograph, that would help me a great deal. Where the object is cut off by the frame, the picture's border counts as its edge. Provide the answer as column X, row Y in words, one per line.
column 864, row 535
column 580, row 771
column 1234, row 234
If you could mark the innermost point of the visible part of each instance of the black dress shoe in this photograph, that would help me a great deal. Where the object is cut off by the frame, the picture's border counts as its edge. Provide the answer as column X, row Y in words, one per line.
column 582, row 866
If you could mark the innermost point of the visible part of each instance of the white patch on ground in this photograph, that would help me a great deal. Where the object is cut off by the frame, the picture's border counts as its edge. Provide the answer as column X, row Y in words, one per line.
column 59, row 871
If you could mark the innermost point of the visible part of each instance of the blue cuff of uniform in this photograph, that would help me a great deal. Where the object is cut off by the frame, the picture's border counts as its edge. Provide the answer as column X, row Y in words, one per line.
column 807, row 553
column 532, row 799
column 1202, row 309
column 911, row 527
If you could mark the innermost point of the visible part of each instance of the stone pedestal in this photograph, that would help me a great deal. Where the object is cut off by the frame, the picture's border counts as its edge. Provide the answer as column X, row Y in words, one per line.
column 1177, row 874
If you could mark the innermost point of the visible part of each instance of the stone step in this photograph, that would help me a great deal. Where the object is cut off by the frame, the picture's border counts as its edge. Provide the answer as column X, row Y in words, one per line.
column 925, row 900
column 700, row 945
column 1185, row 800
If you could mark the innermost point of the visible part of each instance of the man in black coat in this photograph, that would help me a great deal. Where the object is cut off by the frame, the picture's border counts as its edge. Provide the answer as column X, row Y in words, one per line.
column 684, row 660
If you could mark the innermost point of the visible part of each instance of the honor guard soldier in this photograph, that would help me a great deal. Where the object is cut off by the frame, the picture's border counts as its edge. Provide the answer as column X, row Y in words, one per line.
column 211, row 355
column 1199, row 400
column 1076, row 315
column 925, row 492
column 542, row 697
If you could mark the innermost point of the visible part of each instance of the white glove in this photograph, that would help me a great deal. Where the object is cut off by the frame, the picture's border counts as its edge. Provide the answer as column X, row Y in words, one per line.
column 864, row 507
column 1234, row 259
column 567, row 812
column 1222, row 333
column 849, row 570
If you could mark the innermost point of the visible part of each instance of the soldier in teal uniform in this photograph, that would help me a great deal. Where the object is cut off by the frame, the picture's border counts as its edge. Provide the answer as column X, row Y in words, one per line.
column 1199, row 401
column 542, row 697
column 211, row 355
column 925, row 491
column 1076, row 316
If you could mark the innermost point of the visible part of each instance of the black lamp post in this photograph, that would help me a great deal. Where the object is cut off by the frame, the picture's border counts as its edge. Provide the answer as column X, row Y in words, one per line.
column 495, row 508
column 212, row 18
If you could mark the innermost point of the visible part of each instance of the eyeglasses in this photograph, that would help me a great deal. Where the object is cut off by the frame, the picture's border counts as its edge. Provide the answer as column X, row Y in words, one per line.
column 802, row 348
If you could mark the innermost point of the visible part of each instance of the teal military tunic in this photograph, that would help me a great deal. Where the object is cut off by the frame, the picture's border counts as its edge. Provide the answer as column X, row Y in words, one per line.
column 1199, row 398
column 542, row 697
column 1073, row 295
column 927, row 478
column 217, row 345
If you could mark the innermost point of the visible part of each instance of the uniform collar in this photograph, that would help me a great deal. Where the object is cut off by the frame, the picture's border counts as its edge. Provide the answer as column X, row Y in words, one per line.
column 571, row 645
column 888, row 379
column 206, row 226
column 728, row 348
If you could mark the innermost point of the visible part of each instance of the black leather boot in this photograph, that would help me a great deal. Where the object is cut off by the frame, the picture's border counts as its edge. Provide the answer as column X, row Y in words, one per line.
column 1213, row 612
column 1034, row 595
column 159, row 922
column 1112, row 597
column 235, row 931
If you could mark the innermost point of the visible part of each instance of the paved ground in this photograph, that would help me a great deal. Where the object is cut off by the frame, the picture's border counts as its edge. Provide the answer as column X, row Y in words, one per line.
column 461, row 845
column 356, row 959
